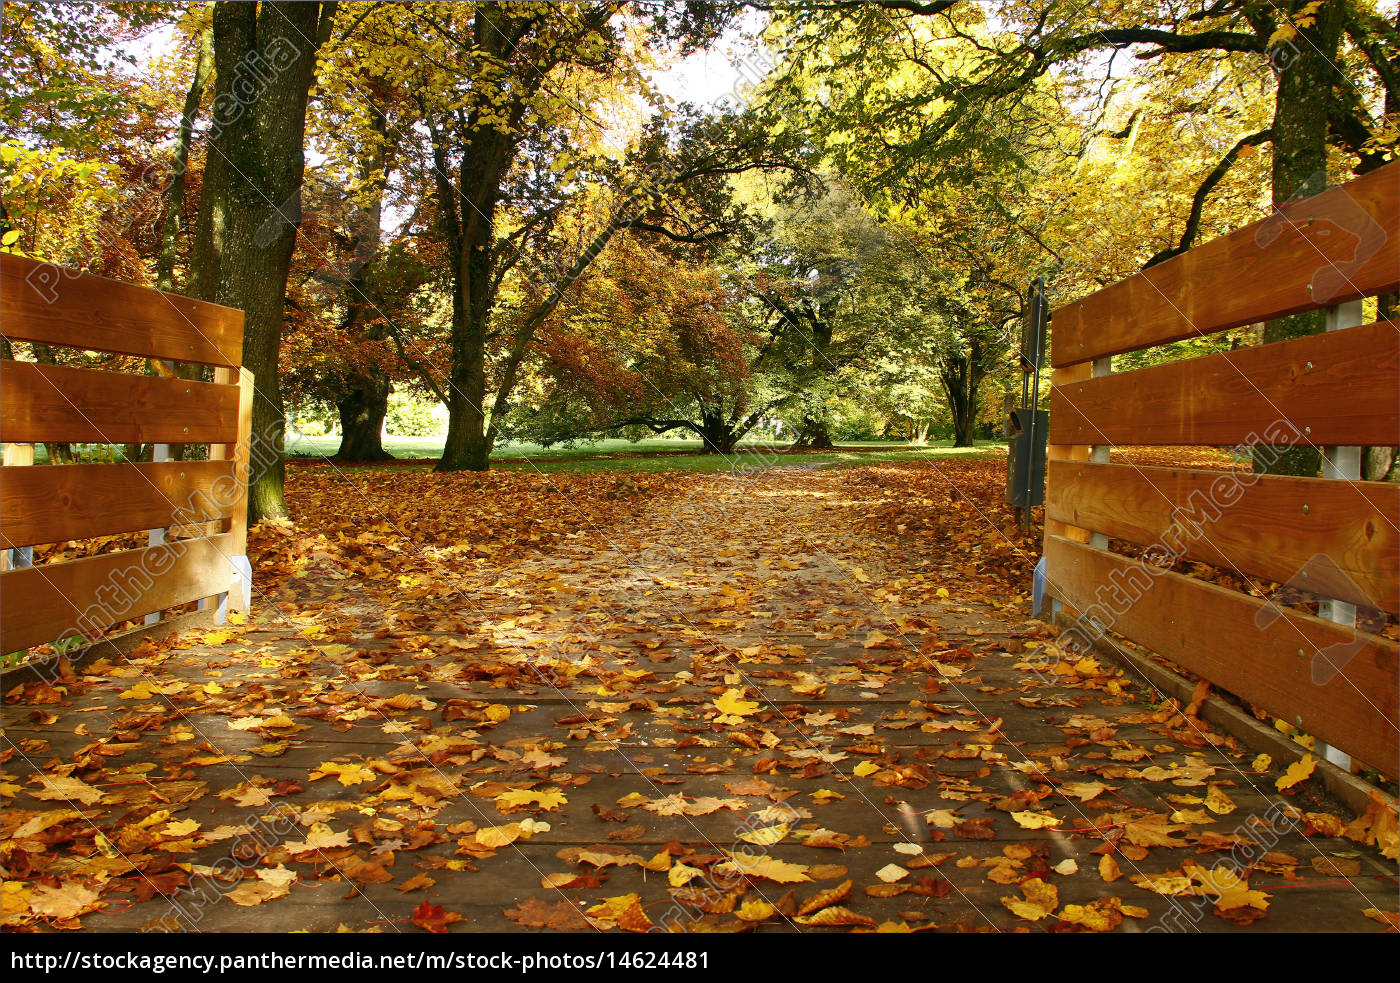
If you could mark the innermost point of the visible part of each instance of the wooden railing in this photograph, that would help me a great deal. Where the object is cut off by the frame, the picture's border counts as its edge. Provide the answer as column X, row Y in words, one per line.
column 192, row 511
column 1332, row 536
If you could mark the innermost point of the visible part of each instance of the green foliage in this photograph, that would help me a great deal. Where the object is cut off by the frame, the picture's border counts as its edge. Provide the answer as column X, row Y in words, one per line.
column 410, row 415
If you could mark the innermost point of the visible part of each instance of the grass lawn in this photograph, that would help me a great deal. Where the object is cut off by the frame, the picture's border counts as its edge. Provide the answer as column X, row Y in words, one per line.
column 655, row 455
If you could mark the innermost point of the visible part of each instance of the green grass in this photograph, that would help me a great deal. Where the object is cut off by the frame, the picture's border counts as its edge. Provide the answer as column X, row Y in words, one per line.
column 657, row 455
column 644, row 455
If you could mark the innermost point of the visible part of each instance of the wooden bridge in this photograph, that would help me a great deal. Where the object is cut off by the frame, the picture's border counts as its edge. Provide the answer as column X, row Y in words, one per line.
column 190, row 499
column 1332, row 539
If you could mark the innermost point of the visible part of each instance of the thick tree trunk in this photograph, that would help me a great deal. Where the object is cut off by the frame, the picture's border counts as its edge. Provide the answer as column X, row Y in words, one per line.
column 265, row 58
column 718, row 435
column 964, row 421
column 468, row 445
column 1306, row 74
column 815, row 434
column 470, row 228
column 961, row 375
column 363, row 404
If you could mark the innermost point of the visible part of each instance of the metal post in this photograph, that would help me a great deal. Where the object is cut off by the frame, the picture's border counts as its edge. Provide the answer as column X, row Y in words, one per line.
column 157, row 537
column 1342, row 463
column 1032, row 352
column 1100, row 453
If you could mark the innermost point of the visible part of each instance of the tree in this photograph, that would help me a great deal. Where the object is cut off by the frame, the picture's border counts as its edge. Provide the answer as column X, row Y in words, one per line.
column 830, row 287
column 250, row 203
column 172, row 221
column 652, row 341
column 973, row 103
column 525, row 139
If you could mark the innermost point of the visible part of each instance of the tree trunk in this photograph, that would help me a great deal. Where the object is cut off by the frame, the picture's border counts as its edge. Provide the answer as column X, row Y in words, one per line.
column 363, row 404
column 1378, row 463
column 815, row 434
column 961, row 375
column 468, row 445
column 173, row 220
column 265, row 58
column 362, row 397
column 1306, row 74
column 717, row 433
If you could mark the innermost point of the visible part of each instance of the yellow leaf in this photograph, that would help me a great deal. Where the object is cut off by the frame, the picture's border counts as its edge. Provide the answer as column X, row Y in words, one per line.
column 319, row 837
column 765, row 835
column 520, row 798
column 732, row 704
column 495, row 837
column 1035, row 820
column 1097, row 916
column 680, row 875
column 347, row 774
column 624, row 912
column 765, row 867
column 756, row 910
column 1299, row 771
column 1040, row 900
column 1218, row 802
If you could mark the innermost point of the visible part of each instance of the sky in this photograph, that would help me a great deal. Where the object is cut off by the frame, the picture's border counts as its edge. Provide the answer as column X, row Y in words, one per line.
column 720, row 73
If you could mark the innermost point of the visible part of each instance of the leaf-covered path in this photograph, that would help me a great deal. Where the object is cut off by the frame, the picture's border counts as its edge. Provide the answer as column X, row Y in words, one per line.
column 789, row 700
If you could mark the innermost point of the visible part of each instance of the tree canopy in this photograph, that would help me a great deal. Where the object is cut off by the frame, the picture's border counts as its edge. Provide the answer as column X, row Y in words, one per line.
column 499, row 209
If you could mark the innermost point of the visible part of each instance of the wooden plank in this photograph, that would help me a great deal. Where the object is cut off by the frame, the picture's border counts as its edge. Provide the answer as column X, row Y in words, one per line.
column 1246, row 646
column 1320, row 251
column 1268, row 526
column 56, row 600
column 76, row 501
column 238, row 452
column 58, row 306
column 1336, row 388
column 57, row 403
column 1065, row 452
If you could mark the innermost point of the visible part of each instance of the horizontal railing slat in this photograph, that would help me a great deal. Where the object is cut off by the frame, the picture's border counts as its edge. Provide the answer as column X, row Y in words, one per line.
column 41, row 403
column 1269, row 526
column 1324, row 250
column 76, row 501
column 1245, row 645
column 1334, row 388
column 50, row 601
column 57, row 306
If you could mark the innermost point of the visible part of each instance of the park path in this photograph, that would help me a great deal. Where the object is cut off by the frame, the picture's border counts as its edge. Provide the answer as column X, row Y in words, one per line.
column 750, row 691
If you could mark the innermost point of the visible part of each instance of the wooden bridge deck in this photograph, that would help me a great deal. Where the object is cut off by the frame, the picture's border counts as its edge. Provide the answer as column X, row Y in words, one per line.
column 785, row 686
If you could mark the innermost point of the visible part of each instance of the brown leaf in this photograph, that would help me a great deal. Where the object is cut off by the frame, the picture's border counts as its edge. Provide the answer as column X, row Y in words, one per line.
column 432, row 918
column 556, row 916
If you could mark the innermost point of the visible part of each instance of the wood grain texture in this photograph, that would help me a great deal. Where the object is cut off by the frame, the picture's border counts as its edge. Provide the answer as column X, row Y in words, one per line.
column 56, row 600
column 1067, row 376
column 75, row 501
column 57, row 403
column 1325, row 250
column 57, row 306
column 1335, row 388
column 1267, row 526
column 1340, row 685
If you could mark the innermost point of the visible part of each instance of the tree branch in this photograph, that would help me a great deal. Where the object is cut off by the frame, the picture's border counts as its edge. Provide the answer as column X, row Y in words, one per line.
column 1198, row 201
